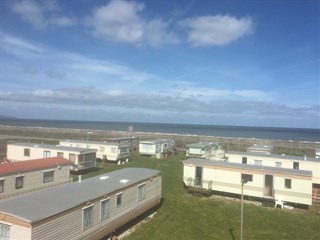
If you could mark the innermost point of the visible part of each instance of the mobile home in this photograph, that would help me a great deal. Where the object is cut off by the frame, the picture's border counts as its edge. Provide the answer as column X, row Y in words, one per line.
column 207, row 150
column 289, row 185
column 273, row 160
column 105, row 150
column 267, row 149
column 131, row 141
column 156, row 147
column 90, row 209
column 29, row 175
column 83, row 158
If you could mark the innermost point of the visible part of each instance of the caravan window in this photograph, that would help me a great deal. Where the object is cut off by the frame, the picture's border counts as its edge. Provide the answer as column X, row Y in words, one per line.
column 48, row 176
column 46, row 154
column 295, row 165
column 104, row 209
column 19, row 182
column 119, row 199
column 87, row 217
column 26, row 152
column 141, row 192
column 244, row 160
column 1, row 185
column 258, row 162
column 4, row 231
column 246, row 177
column 287, row 183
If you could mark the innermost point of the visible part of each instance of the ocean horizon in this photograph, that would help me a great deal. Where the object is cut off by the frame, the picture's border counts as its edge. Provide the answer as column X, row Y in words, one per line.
column 276, row 133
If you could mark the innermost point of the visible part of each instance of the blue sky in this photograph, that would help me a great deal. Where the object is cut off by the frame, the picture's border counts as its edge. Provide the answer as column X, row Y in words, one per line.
column 253, row 63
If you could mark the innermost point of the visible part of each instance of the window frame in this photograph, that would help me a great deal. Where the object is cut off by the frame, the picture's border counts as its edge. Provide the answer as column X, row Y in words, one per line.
column 247, row 176
column 143, row 192
column 26, row 152
column 84, row 227
column 288, row 183
column 46, row 153
column 107, row 201
column 16, row 182
column 60, row 154
column 2, row 180
column 257, row 162
column 44, row 177
column 244, row 160
column 119, row 203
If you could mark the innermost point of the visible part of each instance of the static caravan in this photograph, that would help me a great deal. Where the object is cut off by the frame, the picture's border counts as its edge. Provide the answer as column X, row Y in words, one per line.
column 156, row 147
column 83, row 158
column 289, row 185
column 267, row 149
column 207, row 150
column 131, row 141
column 29, row 175
column 105, row 150
column 273, row 160
column 90, row 209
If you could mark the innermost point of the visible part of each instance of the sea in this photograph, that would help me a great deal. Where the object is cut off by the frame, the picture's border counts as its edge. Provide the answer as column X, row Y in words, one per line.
column 275, row 133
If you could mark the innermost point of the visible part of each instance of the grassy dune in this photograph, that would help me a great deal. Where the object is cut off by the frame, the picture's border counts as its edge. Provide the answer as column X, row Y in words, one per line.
column 183, row 216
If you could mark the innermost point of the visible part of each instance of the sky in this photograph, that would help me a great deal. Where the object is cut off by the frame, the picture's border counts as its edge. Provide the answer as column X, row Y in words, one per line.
column 228, row 62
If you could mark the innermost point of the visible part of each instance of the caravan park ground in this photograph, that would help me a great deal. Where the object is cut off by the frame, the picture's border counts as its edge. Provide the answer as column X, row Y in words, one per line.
column 187, row 216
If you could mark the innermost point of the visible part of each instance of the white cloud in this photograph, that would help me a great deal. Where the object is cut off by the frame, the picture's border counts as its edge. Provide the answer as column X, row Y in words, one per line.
column 41, row 14
column 216, row 30
column 121, row 21
column 62, row 21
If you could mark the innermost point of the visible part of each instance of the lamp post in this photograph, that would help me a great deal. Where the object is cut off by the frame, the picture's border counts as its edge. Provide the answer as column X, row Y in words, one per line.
column 243, row 181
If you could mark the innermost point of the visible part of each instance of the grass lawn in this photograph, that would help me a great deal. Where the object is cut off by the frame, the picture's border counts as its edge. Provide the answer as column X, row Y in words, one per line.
column 183, row 216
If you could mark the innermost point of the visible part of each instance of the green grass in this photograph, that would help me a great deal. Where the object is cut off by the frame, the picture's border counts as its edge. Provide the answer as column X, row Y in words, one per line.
column 183, row 216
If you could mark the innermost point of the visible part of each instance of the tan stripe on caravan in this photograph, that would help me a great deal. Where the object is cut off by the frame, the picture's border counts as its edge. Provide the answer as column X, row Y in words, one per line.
column 14, row 220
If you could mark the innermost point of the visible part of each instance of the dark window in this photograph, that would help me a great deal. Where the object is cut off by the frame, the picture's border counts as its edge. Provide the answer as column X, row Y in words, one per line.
column 295, row 165
column 244, row 160
column 59, row 154
column 246, row 178
column 119, row 199
column 287, row 183
column 19, row 182
column 1, row 186
column 48, row 176
column 26, row 152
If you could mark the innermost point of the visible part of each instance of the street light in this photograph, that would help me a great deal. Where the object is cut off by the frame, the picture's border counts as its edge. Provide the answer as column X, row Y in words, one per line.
column 244, row 179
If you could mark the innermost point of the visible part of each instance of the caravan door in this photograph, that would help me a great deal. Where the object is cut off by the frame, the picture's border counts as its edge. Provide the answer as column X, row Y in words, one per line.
column 268, row 185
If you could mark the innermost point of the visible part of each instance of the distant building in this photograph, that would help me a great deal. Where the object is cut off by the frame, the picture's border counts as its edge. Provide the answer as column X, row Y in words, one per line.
column 83, row 158
column 24, row 176
column 273, row 183
column 267, row 149
column 105, row 150
column 208, row 150
column 156, row 147
column 90, row 209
